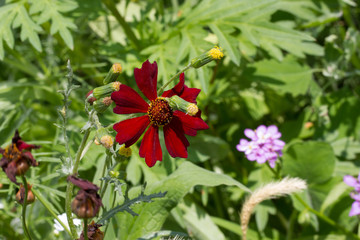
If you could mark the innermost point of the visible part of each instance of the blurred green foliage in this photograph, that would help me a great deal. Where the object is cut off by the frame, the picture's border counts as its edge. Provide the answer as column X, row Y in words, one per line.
column 292, row 63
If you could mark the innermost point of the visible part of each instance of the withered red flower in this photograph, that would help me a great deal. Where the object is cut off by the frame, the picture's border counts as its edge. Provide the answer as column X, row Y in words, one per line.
column 87, row 202
column 17, row 157
column 20, row 195
column 93, row 232
column 158, row 114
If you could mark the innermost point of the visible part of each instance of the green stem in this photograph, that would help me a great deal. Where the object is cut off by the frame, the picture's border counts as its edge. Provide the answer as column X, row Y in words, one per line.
column 85, row 229
column 161, row 90
column 48, row 207
column 325, row 218
column 129, row 33
column 290, row 229
column 112, row 206
column 24, row 208
column 70, row 186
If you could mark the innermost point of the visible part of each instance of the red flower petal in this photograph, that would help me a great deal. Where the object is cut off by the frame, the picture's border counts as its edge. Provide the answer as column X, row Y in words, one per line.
column 21, row 145
column 30, row 158
column 190, row 124
column 183, row 91
column 150, row 146
column 83, row 184
column 175, row 140
column 128, row 101
column 129, row 131
column 146, row 79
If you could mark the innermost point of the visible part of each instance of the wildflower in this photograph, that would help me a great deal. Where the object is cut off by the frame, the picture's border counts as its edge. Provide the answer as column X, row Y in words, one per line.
column 159, row 114
column 17, row 158
column 87, row 202
column 264, row 145
column 93, row 232
column 59, row 228
column 354, row 182
column 20, row 195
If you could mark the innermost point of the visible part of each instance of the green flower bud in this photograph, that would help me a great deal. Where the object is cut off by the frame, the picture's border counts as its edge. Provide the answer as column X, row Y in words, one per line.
column 102, row 104
column 113, row 73
column 124, row 151
column 106, row 90
column 213, row 54
column 114, row 174
column 177, row 103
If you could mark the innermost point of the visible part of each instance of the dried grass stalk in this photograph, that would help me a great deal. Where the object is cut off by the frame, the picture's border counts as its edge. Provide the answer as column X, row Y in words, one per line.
column 284, row 187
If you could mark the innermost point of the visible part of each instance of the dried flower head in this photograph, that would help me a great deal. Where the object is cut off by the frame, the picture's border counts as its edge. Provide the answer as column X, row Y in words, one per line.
column 87, row 202
column 93, row 232
column 20, row 195
column 17, row 158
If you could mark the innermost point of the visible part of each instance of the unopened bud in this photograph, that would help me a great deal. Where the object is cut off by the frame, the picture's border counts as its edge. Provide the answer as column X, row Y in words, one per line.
column 104, row 138
column 20, row 195
column 114, row 174
column 309, row 125
column 177, row 103
column 213, row 54
column 106, row 90
column 102, row 104
column 124, row 151
column 90, row 97
column 113, row 73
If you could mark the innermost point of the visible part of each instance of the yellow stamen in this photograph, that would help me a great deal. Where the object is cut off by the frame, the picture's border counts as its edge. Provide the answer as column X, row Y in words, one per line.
column 216, row 53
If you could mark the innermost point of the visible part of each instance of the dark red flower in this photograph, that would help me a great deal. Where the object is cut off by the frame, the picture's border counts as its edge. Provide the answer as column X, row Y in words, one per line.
column 87, row 202
column 158, row 114
column 93, row 232
column 17, row 157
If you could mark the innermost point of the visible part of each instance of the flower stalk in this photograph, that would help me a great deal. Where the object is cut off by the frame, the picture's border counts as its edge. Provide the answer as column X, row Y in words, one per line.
column 70, row 186
column 85, row 229
column 161, row 90
column 24, row 208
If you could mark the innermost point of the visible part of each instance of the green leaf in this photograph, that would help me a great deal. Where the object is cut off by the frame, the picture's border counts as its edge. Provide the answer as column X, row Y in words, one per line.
column 285, row 77
column 29, row 29
column 52, row 10
column 152, row 216
column 228, row 42
column 198, row 222
column 312, row 161
column 7, row 15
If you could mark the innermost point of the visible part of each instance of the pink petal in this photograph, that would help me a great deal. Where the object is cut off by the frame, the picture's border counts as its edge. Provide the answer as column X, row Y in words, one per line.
column 350, row 180
column 128, row 101
column 355, row 209
column 129, row 131
column 175, row 140
column 250, row 134
column 150, row 146
column 21, row 145
column 146, row 79
column 183, row 91
column 189, row 124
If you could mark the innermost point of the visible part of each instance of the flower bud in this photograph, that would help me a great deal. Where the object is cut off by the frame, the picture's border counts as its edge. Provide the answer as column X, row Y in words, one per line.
column 102, row 137
column 114, row 174
column 87, row 202
column 90, row 97
column 102, row 104
column 177, row 103
column 213, row 54
column 113, row 73
column 20, row 195
column 106, row 90
column 124, row 151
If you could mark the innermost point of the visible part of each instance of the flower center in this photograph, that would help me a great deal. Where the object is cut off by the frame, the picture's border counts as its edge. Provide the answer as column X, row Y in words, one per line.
column 12, row 153
column 160, row 112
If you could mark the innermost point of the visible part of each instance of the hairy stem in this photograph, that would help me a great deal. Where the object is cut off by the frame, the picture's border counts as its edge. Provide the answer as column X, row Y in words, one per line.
column 161, row 90
column 70, row 186
column 24, row 208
